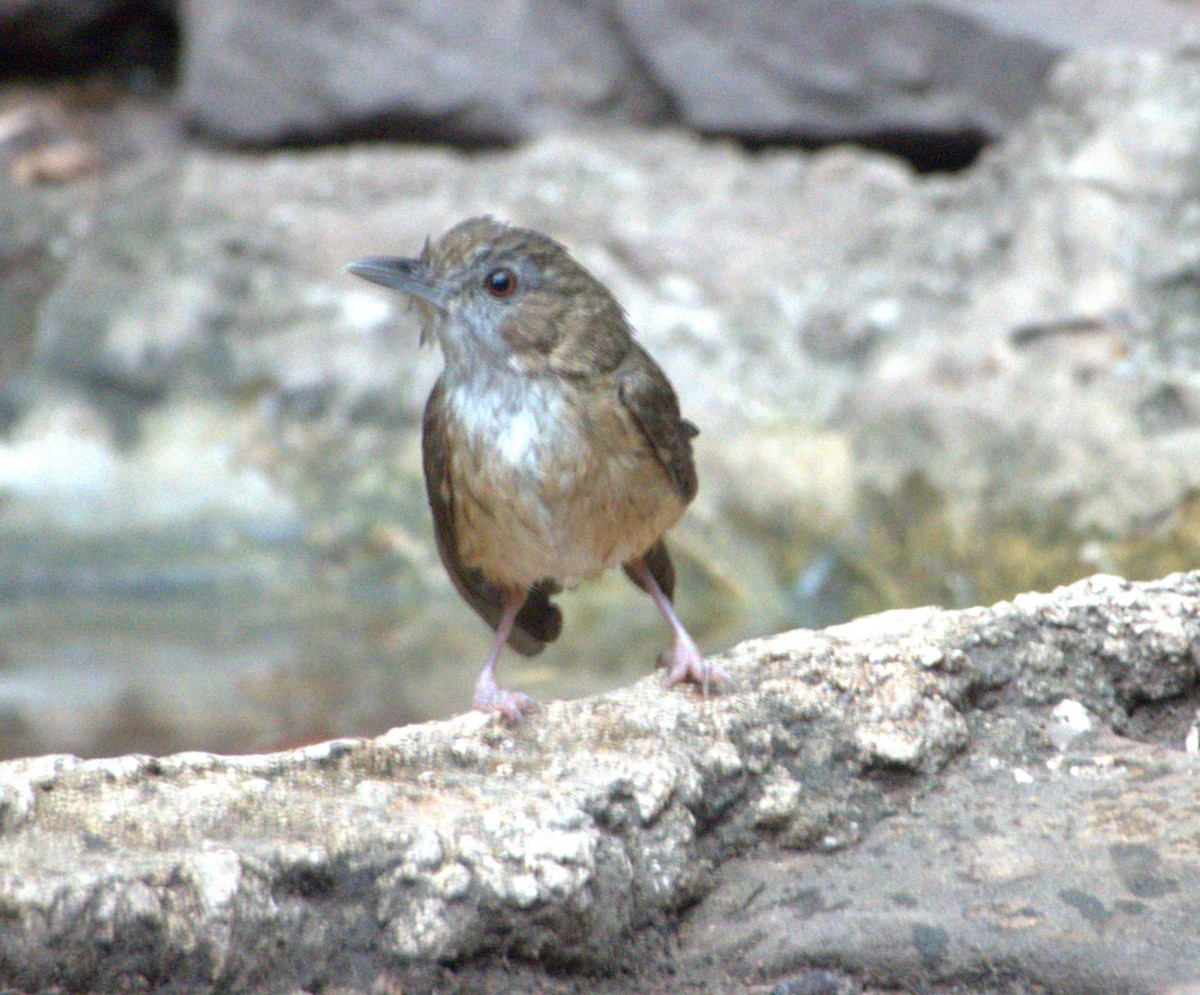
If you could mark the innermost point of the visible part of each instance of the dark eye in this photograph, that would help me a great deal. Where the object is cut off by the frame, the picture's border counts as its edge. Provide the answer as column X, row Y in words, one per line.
column 500, row 282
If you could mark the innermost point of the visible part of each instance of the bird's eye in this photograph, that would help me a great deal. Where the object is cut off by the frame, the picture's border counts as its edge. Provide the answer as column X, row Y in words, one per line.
column 500, row 282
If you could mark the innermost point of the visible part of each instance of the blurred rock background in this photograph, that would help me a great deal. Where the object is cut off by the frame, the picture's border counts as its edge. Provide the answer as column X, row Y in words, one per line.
column 927, row 275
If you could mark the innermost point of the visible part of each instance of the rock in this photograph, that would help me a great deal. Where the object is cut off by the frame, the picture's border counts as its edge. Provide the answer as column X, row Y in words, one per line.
column 952, row 72
column 472, row 74
column 558, row 841
column 1039, row 874
column 831, row 72
column 918, row 77
column 1065, row 329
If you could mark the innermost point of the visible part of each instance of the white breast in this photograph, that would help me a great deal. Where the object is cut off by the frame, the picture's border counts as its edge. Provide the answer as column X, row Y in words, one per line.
column 514, row 422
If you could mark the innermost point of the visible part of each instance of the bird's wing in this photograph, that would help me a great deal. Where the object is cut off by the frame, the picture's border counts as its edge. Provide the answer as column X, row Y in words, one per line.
column 658, row 562
column 539, row 621
column 648, row 396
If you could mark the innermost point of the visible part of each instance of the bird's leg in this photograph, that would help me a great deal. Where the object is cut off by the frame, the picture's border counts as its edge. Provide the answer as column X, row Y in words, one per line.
column 683, row 660
column 489, row 696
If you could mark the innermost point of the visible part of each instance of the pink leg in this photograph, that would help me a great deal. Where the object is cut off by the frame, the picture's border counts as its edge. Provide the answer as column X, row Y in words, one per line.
column 683, row 660
column 489, row 696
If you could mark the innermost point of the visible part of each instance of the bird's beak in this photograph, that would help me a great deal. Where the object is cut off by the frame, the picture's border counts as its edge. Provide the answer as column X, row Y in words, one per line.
column 409, row 276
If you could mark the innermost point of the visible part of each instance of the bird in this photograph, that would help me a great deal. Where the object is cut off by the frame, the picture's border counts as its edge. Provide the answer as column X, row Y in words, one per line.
column 553, row 445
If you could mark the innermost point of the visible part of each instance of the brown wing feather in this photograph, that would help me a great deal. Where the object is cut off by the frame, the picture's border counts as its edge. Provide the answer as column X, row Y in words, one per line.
column 539, row 621
column 647, row 393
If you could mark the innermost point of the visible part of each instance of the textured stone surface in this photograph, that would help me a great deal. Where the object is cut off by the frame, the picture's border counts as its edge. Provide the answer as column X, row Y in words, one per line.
column 1057, row 316
column 1066, row 876
column 933, row 79
column 810, row 70
column 823, row 71
column 557, row 840
column 473, row 72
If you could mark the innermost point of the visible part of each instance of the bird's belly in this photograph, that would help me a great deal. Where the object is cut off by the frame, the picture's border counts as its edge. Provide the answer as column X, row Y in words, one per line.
column 549, row 500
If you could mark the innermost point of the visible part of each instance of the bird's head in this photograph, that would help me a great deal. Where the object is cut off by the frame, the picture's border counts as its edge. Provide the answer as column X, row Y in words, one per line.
column 494, row 294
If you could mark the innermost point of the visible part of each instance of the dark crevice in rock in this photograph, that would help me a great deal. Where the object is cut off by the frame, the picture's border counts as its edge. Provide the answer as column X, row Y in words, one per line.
column 135, row 44
column 925, row 152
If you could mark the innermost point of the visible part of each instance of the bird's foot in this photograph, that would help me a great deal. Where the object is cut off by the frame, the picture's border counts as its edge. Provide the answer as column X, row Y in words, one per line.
column 490, row 697
column 684, row 663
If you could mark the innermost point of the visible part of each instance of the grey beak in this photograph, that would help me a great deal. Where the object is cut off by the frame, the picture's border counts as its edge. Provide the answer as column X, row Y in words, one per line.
column 409, row 276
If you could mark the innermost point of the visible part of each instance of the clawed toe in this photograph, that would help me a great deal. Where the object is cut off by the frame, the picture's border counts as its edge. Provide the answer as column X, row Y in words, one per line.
column 507, row 703
column 684, row 663
column 491, row 697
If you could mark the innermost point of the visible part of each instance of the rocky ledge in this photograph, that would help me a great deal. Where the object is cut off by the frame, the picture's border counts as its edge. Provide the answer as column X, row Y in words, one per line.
column 1002, row 798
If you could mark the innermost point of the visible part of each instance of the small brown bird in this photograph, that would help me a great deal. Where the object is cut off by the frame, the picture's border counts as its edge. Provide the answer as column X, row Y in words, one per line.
column 553, row 444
